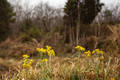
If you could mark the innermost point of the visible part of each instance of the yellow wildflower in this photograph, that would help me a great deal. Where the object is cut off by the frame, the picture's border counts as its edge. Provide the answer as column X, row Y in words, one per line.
column 101, row 52
column 26, row 56
column 26, row 65
column 88, row 53
column 51, row 52
column 31, row 61
column 41, row 50
column 48, row 50
column 93, row 51
column 38, row 49
column 112, row 79
column 80, row 48
column 44, row 60
column 48, row 47
column 98, row 51
column 27, row 62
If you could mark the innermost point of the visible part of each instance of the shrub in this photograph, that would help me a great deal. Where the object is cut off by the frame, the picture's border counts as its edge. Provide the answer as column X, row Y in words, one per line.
column 33, row 32
column 6, row 17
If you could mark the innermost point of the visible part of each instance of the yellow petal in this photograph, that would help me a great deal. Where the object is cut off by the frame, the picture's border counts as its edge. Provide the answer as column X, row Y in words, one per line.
column 26, row 56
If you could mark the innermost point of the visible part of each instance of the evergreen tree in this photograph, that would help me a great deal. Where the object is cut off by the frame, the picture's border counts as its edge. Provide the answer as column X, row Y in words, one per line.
column 89, row 9
column 6, row 17
column 70, row 12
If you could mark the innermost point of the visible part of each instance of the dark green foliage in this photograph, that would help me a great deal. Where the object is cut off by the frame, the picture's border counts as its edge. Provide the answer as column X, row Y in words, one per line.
column 6, row 17
column 32, row 33
column 26, row 25
column 89, row 9
column 70, row 12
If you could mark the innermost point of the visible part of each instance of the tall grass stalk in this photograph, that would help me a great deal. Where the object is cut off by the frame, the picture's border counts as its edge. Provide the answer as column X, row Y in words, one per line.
column 106, row 70
column 97, row 69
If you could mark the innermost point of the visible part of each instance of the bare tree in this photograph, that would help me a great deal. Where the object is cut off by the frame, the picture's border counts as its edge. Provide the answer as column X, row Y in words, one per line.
column 47, row 16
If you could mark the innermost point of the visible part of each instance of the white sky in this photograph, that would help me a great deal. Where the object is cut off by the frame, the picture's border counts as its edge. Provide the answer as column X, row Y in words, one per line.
column 61, row 3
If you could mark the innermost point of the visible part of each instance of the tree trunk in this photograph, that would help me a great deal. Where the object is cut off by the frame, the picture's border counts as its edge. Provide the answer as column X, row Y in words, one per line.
column 78, row 25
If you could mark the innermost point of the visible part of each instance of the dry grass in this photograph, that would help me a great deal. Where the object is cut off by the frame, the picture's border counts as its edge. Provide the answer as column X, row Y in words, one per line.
column 62, row 67
column 67, row 68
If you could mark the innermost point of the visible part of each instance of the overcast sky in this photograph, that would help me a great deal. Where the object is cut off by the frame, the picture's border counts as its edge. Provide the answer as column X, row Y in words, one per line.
column 61, row 3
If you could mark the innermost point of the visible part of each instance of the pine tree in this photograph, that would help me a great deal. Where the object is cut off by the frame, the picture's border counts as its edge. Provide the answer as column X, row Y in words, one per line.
column 70, row 12
column 6, row 17
column 89, row 9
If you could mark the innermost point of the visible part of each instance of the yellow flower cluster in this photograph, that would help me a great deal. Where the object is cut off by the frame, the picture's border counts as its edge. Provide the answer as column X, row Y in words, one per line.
column 44, row 60
column 25, row 56
column 80, row 48
column 27, row 62
column 88, row 53
column 42, row 50
column 48, row 50
column 97, row 51
column 48, row 47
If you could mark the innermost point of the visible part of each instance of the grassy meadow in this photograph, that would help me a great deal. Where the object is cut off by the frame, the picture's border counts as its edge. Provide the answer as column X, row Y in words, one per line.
column 83, row 65
column 79, row 41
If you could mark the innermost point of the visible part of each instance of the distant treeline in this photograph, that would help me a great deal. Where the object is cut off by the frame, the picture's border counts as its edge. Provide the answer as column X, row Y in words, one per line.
column 41, row 19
